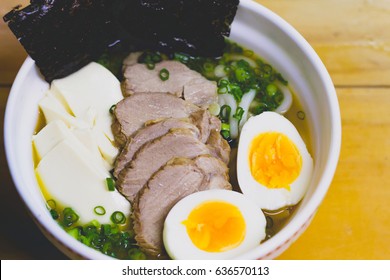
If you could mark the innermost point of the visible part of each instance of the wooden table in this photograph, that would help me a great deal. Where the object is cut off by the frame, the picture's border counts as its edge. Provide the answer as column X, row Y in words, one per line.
column 352, row 39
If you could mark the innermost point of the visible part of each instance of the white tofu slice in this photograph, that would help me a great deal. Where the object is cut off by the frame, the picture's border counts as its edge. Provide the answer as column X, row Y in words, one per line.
column 49, row 136
column 92, row 87
column 56, row 131
column 73, row 180
column 53, row 110
column 86, row 137
column 106, row 147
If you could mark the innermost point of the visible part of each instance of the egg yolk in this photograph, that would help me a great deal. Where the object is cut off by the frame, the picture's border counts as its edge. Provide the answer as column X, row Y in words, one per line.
column 215, row 226
column 274, row 160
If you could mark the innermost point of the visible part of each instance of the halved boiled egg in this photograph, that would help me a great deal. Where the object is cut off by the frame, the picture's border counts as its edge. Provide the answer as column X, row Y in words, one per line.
column 274, row 167
column 213, row 224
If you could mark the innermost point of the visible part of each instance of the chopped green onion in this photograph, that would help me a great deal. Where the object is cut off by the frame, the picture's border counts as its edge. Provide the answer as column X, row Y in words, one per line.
column 156, row 57
column 222, row 90
column 208, row 66
column 239, row 113
column 105, row 229
column 183, row 58
column 223, row 83
column 136, row 254
column 236, row 91
column 225, row 126
column 225, row 134
column 241, row 74
column 95, row 223
column 150, row 65
column 118, row 217
column 97, row 241
column 69, row 217
column 110, row 184
column 54, row 214
column 267, row 70
column 150, row 57
column 272, row 89
column 112, row 108
column 224, row 114
column 164, row 74
column 51, row 204
column 75, row 232
column 99, row 210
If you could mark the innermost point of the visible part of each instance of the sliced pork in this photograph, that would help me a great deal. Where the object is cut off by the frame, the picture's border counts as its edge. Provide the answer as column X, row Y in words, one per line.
column 203, row 124
column 182, row 82
column 133, row 112
column 156, row 153
column 177, row 179
column 151, row 131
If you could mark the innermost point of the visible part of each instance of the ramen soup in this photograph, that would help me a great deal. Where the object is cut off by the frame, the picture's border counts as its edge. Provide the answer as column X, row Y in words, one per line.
column 75, row 153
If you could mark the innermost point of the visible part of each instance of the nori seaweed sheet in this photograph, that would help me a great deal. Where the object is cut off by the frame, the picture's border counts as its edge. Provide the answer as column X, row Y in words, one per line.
column 64, row 35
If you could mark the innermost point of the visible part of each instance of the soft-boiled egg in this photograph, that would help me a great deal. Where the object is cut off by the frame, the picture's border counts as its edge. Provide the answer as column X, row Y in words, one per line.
column 274, row 167
column 213, row 224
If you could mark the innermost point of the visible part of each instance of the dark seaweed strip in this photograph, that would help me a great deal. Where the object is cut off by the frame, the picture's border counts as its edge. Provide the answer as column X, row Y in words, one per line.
column 195, row 27
column 64, row 35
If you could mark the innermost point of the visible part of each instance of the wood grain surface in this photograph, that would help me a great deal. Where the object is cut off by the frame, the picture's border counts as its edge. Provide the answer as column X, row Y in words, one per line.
column 352, row 39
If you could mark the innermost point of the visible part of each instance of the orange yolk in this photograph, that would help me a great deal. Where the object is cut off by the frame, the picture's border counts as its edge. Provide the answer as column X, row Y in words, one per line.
column 274, row 160
column 215, row 226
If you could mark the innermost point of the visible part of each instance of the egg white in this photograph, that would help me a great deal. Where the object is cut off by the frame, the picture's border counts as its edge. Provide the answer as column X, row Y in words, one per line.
column 179, row 245
column 267, row 198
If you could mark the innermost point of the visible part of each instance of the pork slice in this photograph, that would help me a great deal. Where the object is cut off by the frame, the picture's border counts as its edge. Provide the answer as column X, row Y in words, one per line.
column 210, row 127
column 201, row 92
column 151, row 131
column 182, row 82
column 206, row 123
column 219, row 147
column 133, row 112
column 216, row 171
column 153, row 155
column 177, row 179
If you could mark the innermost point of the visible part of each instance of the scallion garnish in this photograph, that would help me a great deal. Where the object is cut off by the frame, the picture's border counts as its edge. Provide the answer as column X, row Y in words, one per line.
column 164, row 74
column 225, row 134
column 150, row 65
column 118, row 217
column 271, row 89
column 69, row 217
column 54, row 214
column 51, row 204
column 225, row 126
column 75, row 232
column 112, row 108
column 208, row 66
column 239, row 113
column 224, row 114
column 110, row 184
column 136, row 254
column 99, row 210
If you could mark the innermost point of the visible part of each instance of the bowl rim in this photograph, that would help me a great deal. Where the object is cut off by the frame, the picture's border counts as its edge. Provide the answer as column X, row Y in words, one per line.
column 297, row 225
column 269, row 249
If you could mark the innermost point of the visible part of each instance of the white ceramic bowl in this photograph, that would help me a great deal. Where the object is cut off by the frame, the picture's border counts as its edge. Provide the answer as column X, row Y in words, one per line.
column 256, row 28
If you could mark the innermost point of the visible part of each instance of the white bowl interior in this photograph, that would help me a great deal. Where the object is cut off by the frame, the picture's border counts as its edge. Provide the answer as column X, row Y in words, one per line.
column 256, row 28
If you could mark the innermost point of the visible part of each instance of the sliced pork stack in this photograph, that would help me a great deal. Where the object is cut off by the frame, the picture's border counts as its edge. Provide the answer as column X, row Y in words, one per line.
column 171, row 145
